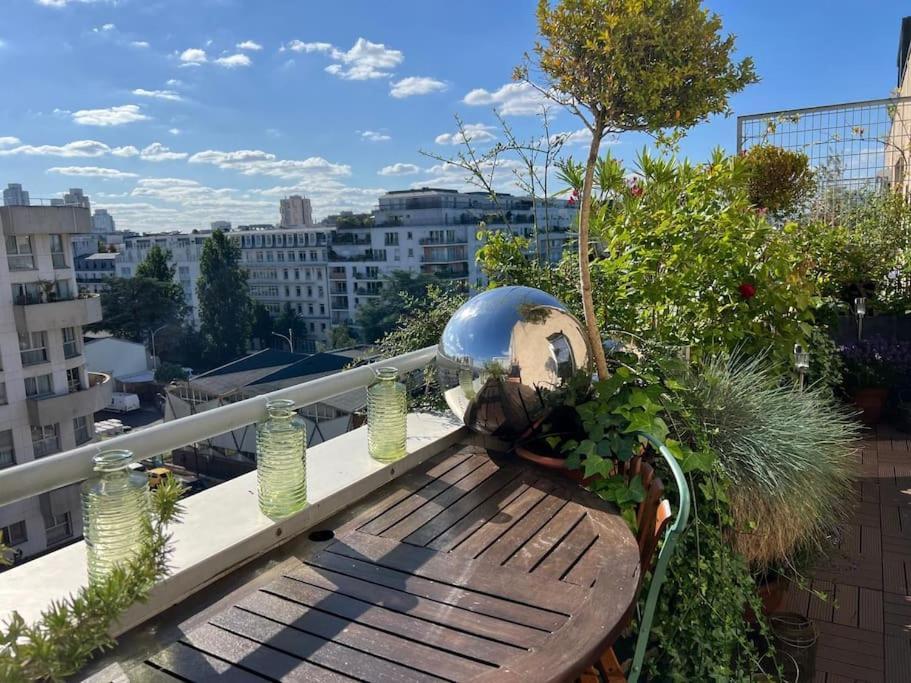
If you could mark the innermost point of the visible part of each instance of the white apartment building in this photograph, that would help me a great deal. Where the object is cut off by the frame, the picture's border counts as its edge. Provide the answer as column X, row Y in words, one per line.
column 185, row 248
column 47, row 398
column 295, row 211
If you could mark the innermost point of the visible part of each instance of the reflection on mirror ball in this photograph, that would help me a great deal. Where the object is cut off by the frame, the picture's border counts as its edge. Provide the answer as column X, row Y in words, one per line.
column 504, row 353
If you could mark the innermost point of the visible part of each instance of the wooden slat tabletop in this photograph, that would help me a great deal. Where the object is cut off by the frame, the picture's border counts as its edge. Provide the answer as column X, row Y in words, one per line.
column 472, row 567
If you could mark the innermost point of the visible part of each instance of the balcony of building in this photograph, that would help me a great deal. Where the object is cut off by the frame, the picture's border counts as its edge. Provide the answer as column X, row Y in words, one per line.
column 56, row 408
column 44, row 220
column 43, row 314
column 338, row 303
column 453, row 240
column 451, row 256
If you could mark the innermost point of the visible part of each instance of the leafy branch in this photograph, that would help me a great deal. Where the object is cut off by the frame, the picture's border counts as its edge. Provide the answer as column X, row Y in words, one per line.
column 72, row 630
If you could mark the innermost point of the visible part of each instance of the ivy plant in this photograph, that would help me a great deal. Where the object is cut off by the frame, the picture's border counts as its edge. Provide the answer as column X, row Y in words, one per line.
column 72, row 630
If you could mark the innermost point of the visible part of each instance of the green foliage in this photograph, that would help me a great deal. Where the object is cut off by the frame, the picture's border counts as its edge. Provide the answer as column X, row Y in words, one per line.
column 289, row 320
column 133, row 307
column 72, row 630
column 262, row 326
column 168, row 372
column 789, row 455
column 639, row 65
column 687, row 260
column 420, row 325
column 779, row 179
column 342, row 337
column 156, row 265
column 225, row 307
column 381, row 314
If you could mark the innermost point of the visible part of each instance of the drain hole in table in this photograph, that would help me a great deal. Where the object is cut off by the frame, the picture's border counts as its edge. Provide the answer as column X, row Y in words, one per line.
column 321, row 535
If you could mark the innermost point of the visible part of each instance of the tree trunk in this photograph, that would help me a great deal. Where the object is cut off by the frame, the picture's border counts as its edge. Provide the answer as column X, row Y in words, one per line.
column 588, row 307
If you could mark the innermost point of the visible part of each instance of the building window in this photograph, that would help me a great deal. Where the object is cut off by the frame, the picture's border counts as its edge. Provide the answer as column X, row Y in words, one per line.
column 81, row 429
column 411, row 253
column 26, row 293
column 58, row 257
column 7, row 450
column 33, row 348
column 45, row 440
column 310, row 309
column 14, row 534
column 70, row 343
column 2, row 393
column 19, row 254
column 40, row 386
column 409, row 235
column 285, row 273
column 322, row 309
column 297, row 290
column 59, row 530
column 392, row 239
column 73, row 380
column 312, row 255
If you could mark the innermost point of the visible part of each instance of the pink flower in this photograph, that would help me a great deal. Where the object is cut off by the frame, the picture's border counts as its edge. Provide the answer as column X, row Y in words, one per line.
column 636, row 190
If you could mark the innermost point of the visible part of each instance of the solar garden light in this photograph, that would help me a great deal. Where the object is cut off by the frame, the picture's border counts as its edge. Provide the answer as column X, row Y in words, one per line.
column 801, row 363
column 860, row 310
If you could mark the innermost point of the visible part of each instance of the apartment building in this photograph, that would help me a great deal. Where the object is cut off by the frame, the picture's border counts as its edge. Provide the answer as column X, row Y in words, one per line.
column 47, row 398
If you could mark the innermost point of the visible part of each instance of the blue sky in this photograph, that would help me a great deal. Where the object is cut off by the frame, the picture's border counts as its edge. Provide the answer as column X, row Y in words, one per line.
column 173, row 113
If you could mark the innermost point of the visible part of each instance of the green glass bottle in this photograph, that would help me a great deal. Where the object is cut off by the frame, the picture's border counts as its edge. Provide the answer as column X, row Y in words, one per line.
column 386, row 414
column 114, row 505
column 281, row 460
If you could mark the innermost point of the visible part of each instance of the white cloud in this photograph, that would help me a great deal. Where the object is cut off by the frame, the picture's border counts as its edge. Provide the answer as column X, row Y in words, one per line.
column 139, row 43
column 128, row 151
column 158, row 94
column 8, row 141
column 473, row 132
column 512, row 99
column 193, row 55
column 399, row 169
column 582, row 136
column 374, row 136
column 257, row 162
column 416, row 85
column 91, row 172
column 158, row 152
column 78, row 148
column 234, row 61
column 300, row 46
column 365, row 60
column 112, row 116
column 104, row 28
column 64, row 3
column 249, row 45
column 173, row 83
column 174, row 131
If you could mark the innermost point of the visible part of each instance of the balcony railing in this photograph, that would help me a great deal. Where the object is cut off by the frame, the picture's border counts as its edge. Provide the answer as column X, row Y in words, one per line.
column 445, row 258
column 442, row 241
column 222, row 528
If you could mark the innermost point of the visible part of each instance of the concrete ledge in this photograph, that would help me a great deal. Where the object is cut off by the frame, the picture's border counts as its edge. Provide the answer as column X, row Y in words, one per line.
column 222, row 528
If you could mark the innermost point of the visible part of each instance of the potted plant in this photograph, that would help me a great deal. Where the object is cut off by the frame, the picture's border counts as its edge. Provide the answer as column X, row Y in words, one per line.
column 871, row 368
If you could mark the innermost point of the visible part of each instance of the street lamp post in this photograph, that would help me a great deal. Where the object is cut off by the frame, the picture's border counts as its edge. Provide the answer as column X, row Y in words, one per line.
column 288, row 338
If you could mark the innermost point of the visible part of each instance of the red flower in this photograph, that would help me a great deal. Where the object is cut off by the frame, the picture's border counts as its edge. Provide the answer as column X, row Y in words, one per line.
column 747, row 291
column 636, row 190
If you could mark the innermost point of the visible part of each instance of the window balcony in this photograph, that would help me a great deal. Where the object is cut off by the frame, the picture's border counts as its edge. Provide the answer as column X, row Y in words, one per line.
column 443, row 241
column 44, row 315
column 222, row 528
column 43, row 220
column 57, row 408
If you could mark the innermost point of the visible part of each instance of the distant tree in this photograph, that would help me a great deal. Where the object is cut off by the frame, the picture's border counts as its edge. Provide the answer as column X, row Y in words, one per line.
column 168, row 372
column 630, row 65
column 134, row 307
column 156, row 265
column 225, row 307
column 263, row 325
column 342, row 337
column 289, row 320
column 381, row 314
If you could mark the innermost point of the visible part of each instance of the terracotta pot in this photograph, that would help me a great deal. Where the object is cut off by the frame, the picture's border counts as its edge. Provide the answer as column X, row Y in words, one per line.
column 549, row 462
column 771, row 592
column 870, row 401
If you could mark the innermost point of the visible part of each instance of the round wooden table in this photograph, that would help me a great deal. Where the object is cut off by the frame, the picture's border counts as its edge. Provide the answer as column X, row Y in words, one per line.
column 470, row 567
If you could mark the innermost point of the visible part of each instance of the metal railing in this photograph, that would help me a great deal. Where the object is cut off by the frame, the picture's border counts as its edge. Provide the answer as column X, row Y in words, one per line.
column 73, row 466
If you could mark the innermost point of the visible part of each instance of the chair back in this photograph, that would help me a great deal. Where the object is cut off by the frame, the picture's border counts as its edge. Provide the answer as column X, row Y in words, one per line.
column 653, row 513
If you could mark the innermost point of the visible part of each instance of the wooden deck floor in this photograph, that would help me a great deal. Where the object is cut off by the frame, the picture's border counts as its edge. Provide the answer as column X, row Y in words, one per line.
column 865, row 624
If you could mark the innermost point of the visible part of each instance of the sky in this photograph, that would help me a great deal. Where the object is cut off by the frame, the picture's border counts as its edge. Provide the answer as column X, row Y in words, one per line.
column 172, row 113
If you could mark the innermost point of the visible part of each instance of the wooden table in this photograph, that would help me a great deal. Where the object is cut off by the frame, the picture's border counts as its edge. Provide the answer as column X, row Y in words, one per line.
column 471, row 567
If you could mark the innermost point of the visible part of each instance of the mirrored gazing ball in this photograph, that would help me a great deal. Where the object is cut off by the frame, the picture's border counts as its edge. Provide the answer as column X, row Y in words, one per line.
column 504, row 353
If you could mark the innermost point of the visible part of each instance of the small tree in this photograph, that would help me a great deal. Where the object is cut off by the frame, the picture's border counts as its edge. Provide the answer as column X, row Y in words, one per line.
column 156, row 265
column 342, row 337
column 263, row 325
column 225, row 307
column 289, row 320
column 381, row 314
column 630, row 65
column 133, row 307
